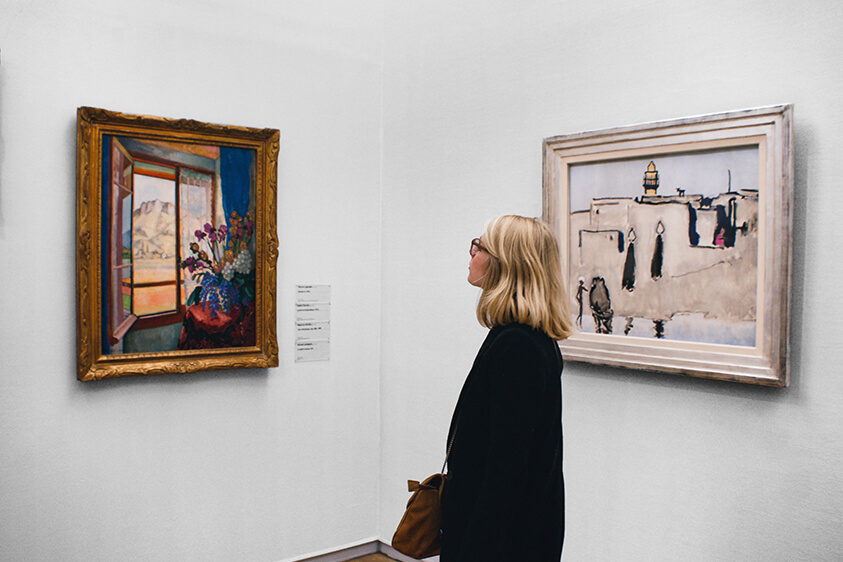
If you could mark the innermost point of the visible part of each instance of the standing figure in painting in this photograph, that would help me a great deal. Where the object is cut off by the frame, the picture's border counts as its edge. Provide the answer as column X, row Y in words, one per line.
column 504, row 499
column 580, row 291
column 601, row 306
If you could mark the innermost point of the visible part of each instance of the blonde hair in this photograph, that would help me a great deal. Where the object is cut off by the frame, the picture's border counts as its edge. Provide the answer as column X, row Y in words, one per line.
column 523, row 281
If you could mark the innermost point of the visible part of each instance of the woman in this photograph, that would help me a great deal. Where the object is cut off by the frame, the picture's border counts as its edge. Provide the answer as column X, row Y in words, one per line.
column 505, row 495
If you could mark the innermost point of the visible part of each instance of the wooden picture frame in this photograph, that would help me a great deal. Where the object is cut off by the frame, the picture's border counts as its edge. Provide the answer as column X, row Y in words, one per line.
column 675, row 239
column 177, row 245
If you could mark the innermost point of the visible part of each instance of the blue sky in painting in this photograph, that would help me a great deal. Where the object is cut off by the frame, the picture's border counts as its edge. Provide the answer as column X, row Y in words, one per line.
column 698, row 173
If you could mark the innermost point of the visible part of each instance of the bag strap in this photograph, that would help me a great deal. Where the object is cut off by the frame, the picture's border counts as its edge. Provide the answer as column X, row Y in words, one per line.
column 451, row 444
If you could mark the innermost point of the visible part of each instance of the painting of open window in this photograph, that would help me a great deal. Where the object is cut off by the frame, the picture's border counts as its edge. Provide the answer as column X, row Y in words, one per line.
column 676, row 240
column 177, row 245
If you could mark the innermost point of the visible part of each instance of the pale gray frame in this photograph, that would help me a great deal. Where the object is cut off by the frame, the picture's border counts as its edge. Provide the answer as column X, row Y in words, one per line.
column 767, row 362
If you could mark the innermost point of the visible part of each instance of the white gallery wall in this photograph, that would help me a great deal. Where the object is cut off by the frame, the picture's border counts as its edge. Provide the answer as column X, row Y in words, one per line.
column 404, row 125
column 658, row 467
column 253, row 465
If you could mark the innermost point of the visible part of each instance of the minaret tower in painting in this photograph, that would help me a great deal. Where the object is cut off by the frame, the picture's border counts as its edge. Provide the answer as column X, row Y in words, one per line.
column 651, row 179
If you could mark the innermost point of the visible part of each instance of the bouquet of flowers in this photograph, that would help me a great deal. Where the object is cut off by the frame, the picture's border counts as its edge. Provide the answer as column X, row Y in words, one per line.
column 226, row 276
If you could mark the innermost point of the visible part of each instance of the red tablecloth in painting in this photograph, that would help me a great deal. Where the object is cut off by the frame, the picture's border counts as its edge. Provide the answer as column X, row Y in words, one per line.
column 202, row 330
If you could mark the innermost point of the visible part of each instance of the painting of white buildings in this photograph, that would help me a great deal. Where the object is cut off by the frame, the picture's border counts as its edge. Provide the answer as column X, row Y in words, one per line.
column 667, row 246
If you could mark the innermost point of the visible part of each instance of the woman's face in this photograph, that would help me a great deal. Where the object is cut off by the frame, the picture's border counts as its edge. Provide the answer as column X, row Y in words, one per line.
column 479, row 262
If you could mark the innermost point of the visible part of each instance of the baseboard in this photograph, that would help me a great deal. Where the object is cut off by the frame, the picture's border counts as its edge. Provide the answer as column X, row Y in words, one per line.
column 370, row 546
column 349, row 552
column 392, row 553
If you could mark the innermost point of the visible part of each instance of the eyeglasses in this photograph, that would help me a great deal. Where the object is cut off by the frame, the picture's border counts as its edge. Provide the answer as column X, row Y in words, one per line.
column 476, row 247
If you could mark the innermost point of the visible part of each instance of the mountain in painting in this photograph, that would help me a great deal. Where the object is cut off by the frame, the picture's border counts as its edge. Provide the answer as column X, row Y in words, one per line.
column 154, row 230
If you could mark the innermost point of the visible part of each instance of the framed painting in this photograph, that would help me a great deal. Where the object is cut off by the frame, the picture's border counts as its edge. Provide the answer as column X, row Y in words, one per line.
column 675, row 238
column 177, row 245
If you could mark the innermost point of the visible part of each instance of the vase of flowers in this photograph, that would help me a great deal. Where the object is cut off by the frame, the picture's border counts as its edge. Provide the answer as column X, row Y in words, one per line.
column 226, row 275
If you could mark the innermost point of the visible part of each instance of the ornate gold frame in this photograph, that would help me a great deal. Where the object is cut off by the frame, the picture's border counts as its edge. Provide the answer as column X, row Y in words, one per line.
column 92, row 124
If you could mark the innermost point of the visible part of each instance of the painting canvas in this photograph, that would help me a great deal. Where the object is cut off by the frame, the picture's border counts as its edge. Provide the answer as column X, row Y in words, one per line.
column 668, row 230
column 172, row 214
column 668, row 247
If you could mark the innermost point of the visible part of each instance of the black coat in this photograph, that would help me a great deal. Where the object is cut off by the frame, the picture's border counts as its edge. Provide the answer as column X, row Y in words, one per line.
column 505, row 499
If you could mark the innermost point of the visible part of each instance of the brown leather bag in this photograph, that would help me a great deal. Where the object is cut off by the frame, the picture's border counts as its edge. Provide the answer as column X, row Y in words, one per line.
column 417, row 535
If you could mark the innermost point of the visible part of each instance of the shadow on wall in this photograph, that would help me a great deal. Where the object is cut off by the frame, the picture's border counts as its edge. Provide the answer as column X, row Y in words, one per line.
column 2, row 147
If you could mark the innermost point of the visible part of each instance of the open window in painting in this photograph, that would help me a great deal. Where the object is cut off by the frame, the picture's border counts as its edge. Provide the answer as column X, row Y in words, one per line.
column 120, row 301
column 195, row 210
column 159, row 195
column 154, row 253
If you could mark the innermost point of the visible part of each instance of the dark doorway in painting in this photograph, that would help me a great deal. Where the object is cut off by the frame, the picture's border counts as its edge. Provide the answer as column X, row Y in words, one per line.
column 658, row 253
column 628, row 276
